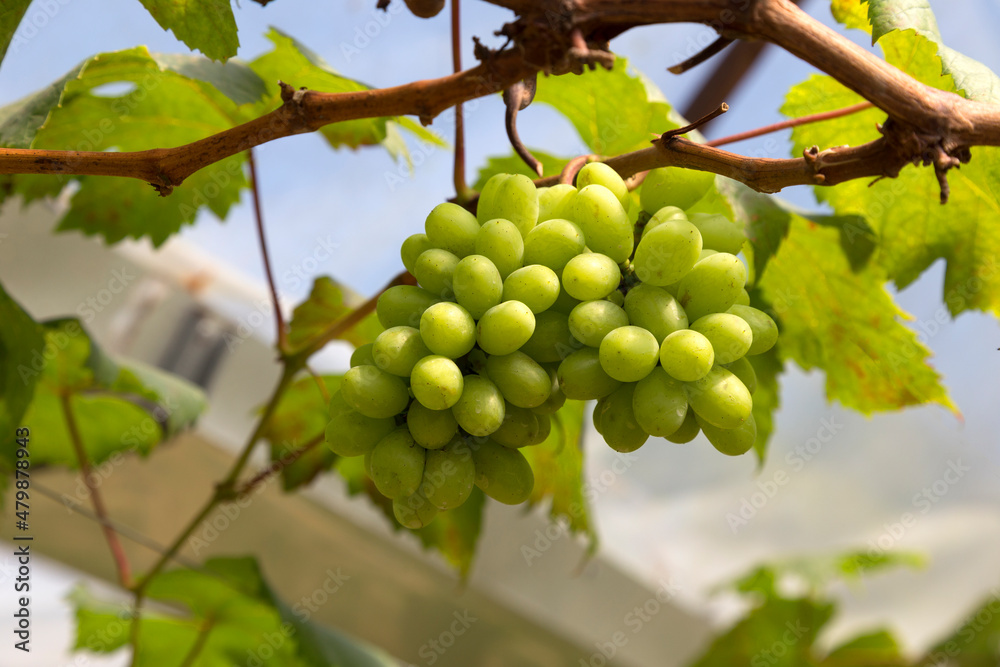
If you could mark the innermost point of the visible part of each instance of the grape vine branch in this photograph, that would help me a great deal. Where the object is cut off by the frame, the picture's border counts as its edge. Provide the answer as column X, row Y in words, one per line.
column 925, row 125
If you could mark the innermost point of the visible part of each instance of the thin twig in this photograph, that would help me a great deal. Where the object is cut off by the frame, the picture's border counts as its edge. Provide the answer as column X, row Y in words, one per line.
column 676, row 132
column 791, row 122
column 199, row 643
column 461, row 188
column 279, row 465
column 117, row 552
column 259, row 217
column 516, row 98
column 700, row 57
column 319, row 383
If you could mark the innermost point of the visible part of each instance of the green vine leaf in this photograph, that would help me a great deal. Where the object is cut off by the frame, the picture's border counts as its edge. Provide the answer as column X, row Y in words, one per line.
column 326, row 306
column 22, row 345
column 513, row 164
column 206, row 25
column 221, row 614
column 767, row 398
column 11, row 14
column 300, row 418
column 912, row 228
column 117, row 407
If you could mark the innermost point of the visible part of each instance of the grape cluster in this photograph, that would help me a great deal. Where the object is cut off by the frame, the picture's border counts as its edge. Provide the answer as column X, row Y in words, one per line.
column 545, row 295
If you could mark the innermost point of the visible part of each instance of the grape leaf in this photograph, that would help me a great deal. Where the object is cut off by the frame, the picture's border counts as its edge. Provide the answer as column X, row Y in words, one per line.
column 325, row 306
column 976, row 643
column 874, row 649
column 299, row 420
column 21, row 347
column 611, row 110
column 205, row 25
column 767, row 398
column 558, row 467
column 819, row 572
column 229, row 607
column 117, row 407
column 845, row 323
column 852, row 13
column 972, row 78
column 11, row 13
column 913, row 229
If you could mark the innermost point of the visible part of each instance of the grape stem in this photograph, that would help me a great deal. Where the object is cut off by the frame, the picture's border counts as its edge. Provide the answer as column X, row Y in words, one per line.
column 259, row 219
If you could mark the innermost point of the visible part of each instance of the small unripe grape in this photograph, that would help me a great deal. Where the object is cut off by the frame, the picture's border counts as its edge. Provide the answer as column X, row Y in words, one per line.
column 402, row 305
column 719, row 233
column 397, row 464
column 729, row 335
column 480, row 409
column 667, row 253
column 535, row 285
column 414, row 511
column 590, row 276
column 618, row 424
column 674, row 186
column 688, row 431
column 712, row 286
column 661, row 216
column 449, row 475
column 556, row 397
column 659, row 403
column 434, row 270
column 477, row 284
column 598, row 173
column 720, row 398
column 412, row 247
column 763, row 328
column 373, row 392
column 687, row 355
column 553, row 243
column 629, row 353
column 448, row 329
column 519, row 428
column 362, row 356
column 505, row 327
column 521, row 380
column 656, row 310
column 605, row 224
column 436, row 382
column 501, row 242
column 431, row 429
column 350, row 433
column 553, row 201
column 582, row 377
column 551, row 340
column 503, row 473
column 591, row 321
column 731, row 441
column 510, row 197
column 397, row 349
column 452, row 228
column 743, row 369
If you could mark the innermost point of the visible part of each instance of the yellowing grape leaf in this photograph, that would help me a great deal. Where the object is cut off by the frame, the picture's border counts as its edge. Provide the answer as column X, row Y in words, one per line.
column 845, row 323
column 913, row 229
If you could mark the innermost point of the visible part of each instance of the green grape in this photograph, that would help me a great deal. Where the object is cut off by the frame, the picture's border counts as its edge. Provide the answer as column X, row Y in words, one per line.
column 618, row 425
column 553, row 202
column 564, row 302
column 731, row 441
column 504, row 328
column 687, row 355
column 350, row 433
column 617, row 298
column 413, row 246
column 413, row 511
column 367, row 462
column 480, row 410
column 629, row 353
column 762, row 327
column 712, row 286
column 402, row 305
column 720, row 398
column 535, row 285
column 553, row 243
column 688, row 431
column 707, row 252
column 661, row 216
column 544, row 428
column 362, row 356
column 743, row 299
column 729, row 335
column 719, row 233
column 397, row 349
column 521, row 380
column 519, row 428
column 656, row 310
column 510, row 197
column 448, row 329
column 449, row 475
column 436, row 382
column 591, row 276
column 556, row 397
column 674, row 186
column 605, row 224
column 598, row 173
column 477, row 284
column 582, row 377
column 591, row 321
column 503, row 473
column 452, row 228
column 743, row 369
column 659, row 403
column 397, row 464
column 434, row 270
column 431, row 429
column 373, row 392
column 551, row 341
column 667, row 253
column 501, row 242
column 338, row 405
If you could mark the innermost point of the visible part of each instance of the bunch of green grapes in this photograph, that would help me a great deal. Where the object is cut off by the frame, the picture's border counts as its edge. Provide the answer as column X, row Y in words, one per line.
column 546, row 295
